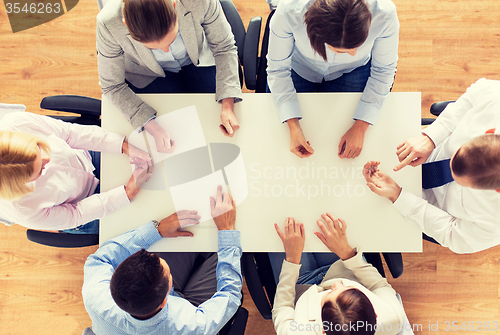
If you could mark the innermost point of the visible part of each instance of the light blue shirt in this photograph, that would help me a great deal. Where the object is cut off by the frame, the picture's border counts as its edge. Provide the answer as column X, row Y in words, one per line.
column 289, row 48
column 179, row 316
column 175, row 58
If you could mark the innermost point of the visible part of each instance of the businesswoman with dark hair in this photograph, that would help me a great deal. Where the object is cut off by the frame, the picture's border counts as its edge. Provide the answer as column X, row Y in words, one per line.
column 332, row 46
column 350, row 298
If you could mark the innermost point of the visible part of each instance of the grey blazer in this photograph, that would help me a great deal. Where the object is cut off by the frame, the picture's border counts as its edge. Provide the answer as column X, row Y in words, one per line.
column 208, row 39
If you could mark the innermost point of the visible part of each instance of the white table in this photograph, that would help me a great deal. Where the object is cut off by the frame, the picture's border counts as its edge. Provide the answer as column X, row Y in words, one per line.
column 279, row 183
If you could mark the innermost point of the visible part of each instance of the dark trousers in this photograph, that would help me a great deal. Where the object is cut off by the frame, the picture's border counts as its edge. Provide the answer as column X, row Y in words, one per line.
column 190, row 79
column 193, row 273
column 354, row 81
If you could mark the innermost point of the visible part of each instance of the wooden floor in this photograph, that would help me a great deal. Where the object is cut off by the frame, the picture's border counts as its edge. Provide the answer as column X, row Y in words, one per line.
column 445, row 45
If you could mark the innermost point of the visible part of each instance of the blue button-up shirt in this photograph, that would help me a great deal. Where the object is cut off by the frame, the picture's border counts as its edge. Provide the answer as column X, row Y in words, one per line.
column 289, row 48
column 179, row 316
column 175, row 58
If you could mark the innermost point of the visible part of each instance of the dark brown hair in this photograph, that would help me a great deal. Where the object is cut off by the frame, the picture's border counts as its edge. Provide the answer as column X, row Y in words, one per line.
column 149, row 20
column 352, row 308
column 479, row 160
column 139, row 285
column 342, row 24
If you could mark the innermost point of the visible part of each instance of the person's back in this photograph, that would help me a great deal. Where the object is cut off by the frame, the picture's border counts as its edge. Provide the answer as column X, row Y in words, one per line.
column 128, row 290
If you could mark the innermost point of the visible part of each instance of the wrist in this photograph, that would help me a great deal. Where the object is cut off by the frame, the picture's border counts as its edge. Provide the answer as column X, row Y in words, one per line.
column 293, row 125
column 430, row 141
column 125, row 148
column 361, row 124
column 348, row 254
column 396, row 194
column 228, row 105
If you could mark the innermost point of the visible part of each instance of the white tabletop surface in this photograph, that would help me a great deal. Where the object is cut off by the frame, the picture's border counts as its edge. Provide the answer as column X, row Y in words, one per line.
column 279, row 183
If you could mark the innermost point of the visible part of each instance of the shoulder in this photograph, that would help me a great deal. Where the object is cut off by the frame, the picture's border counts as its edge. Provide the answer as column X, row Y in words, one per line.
column 17, row 120
column 111, row 13
column 384, row 9
column 294, row 7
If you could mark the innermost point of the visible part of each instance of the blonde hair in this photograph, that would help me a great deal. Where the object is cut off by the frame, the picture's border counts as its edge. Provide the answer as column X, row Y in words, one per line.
column 17, row 156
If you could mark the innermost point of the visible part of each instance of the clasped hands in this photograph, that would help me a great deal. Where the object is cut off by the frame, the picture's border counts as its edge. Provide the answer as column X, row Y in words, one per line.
column 333, row 235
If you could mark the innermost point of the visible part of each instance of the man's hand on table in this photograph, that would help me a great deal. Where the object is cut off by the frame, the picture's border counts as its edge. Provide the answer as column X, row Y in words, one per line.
column 414, row 151
column 171, row 225
column 351, row 143
column 298, row 143
column 163, row 141
column 379, row 182
column 293, row 239
column 223, row 210
column 334, row 236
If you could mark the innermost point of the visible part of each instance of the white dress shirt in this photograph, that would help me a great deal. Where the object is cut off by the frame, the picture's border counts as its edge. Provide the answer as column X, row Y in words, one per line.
column 463, row 219
column 63, row 196
column 290, row 48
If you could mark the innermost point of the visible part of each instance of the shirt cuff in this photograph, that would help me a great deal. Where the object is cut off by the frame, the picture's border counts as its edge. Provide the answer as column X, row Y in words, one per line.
column 142, row 128
column 354, row 261
column 436, row 132
column 112, row 143
column 289, row 110
column 236, row 99
column 229, row 238
column 366, row 112
column 149, row 233
column 405, row 202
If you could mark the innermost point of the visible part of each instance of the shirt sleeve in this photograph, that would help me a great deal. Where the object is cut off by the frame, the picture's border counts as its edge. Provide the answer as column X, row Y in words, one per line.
column 75, row 135
column 71, row 215
column 223, row 47
column 214, row 313
column 283, row 308
column 383, row 69
column 460, row 235
column 449, row 119
column 100, row 266
column 279, row 66
column 111, row 69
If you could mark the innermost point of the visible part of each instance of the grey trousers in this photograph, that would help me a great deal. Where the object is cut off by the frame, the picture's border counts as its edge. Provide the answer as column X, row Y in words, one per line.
column 193, row 273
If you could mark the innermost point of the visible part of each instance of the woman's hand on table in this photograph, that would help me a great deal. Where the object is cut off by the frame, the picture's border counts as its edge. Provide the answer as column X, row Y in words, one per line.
column 293, row 239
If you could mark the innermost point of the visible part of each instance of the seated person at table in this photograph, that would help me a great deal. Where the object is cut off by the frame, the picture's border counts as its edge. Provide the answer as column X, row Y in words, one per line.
column 332, row 46
column 166, row 46
column 48, row 179
column 128, row 290
column 352, row 296
column 461, row 212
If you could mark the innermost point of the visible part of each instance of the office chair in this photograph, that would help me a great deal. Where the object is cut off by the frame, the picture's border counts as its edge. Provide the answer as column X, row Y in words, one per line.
column 90, row 112
column 436, row 109
column 235, row 326
column 247, row 42
column 259, row 277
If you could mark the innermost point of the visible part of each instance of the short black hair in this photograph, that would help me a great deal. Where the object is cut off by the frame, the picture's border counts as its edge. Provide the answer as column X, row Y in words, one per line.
column 352, row 306
column 341, row 24
column 139, row 285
